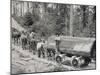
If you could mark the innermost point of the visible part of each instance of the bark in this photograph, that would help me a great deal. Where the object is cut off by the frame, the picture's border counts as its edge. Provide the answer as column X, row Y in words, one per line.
column 71, row 20
column 21, row 8
column 27, row 6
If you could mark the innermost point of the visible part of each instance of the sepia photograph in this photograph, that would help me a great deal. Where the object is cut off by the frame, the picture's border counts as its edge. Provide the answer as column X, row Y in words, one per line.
column 52, row 37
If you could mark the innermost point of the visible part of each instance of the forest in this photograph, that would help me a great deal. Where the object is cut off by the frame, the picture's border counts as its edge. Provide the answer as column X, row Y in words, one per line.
column 48, row 19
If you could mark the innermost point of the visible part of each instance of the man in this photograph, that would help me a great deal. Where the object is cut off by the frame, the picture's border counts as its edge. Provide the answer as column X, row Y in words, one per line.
column 32, row 34
column 57, row 40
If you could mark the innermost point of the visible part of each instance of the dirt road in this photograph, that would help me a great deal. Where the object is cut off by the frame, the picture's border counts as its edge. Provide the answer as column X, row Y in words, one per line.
column 25, row 62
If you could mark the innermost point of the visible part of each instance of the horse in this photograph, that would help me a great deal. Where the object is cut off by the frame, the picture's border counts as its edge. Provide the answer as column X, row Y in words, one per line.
column 16, row 37
column 32, row 42
column 23, row 39
column 40, row 49
column 51, row 51
column 32, row 45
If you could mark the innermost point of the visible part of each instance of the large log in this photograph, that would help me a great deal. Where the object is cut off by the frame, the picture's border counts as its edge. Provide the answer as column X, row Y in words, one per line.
column 77, row 45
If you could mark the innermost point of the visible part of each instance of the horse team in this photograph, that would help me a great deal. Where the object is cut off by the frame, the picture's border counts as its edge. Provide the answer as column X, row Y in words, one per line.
column 35, row 45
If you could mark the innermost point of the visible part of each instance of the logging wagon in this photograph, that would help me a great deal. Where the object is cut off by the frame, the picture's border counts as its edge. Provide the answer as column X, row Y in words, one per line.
column 79, row 51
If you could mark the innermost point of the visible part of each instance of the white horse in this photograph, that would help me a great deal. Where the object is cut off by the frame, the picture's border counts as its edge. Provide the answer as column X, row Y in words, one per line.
column 40, row 49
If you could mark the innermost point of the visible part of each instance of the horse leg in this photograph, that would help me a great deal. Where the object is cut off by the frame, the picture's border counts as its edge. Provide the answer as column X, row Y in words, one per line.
column 29, row 45
column 25, row 43
column 39, row 53
column 34, row 50
column 33, row 47
column 14, row 40
column 48, row 54
column 18, row 39
column 43, row 53
column 22, row 45
column 53, row 52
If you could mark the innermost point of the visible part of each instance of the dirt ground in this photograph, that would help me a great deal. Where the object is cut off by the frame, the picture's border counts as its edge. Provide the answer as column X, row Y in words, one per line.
column 24, row 61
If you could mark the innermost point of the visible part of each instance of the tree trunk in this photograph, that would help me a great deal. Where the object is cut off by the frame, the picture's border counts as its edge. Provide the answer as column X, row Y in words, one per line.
column 71, row 20
column 15, row 8
column 21, row 8
column 94, row 16
column 27, row 6
column 84, row 16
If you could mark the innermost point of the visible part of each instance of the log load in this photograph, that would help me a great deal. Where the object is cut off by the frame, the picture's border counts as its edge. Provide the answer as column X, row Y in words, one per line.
column 77, row 46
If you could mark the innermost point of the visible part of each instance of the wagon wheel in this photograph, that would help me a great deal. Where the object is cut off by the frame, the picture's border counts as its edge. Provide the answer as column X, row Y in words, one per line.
column 58, row 59
column 75, row 63
column 87, row 61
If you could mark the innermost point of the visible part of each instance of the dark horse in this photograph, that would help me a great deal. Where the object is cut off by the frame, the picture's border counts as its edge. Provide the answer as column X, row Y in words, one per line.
column 51, row 53
column 16, row 37
column 32, row 45
column 50, row 49
column 23, row 40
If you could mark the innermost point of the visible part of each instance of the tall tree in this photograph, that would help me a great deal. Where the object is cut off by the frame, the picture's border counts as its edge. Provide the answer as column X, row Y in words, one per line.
column 27, row 6
column 85, row 17
column 71, row 20
column 94, row 15
column 21, row 8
